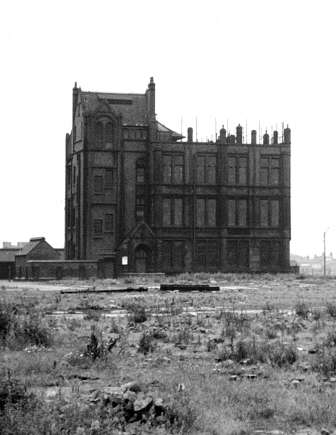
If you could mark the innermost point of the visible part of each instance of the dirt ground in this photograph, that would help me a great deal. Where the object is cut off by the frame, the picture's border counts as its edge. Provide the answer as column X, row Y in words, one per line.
column 258, row 356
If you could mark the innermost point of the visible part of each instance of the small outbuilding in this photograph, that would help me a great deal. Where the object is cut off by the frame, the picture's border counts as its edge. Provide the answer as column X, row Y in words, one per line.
column 7, row 262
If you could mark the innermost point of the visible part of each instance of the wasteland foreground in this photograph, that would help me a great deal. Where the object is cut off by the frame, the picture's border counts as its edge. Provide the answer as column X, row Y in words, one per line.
column 257, row 356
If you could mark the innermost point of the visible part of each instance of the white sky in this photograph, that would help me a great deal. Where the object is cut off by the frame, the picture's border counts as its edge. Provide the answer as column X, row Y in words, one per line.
column 235, row 60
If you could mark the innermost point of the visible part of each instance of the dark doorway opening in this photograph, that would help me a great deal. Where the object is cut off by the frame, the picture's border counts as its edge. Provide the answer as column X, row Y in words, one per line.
column 142, row 259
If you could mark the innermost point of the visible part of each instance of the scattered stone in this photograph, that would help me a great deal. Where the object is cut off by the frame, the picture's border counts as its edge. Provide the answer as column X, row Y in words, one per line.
column 131, row 386
column 141, row 405
column 325, row 432
column 180, row 387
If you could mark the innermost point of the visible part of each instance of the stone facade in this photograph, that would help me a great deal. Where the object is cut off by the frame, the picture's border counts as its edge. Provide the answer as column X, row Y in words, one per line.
column 139, row 195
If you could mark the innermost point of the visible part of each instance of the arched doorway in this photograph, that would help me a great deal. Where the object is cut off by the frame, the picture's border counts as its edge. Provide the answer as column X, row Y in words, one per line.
column 142, row 259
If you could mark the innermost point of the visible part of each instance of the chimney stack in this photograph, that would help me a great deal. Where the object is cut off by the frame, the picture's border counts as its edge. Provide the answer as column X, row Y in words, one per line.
column 190, row 134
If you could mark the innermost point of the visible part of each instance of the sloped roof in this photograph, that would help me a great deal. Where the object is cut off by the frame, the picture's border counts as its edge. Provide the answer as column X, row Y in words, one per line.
column 8, row 255
column 132, row 107
column 30, row 245
column 163, row 129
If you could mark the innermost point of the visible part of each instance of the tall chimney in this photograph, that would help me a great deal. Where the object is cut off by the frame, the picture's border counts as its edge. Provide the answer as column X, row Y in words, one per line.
column 287, row 135
column 253, row 137
column 239, row 134
column 266, row 138
column 222, row 135
column 190, row 134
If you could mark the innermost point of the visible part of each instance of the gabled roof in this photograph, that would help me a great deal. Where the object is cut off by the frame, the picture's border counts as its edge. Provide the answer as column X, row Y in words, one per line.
column 31, row 245
column 132, row 107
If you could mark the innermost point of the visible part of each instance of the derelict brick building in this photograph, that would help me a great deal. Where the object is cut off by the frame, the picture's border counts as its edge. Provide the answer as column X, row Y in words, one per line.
column 139, row 199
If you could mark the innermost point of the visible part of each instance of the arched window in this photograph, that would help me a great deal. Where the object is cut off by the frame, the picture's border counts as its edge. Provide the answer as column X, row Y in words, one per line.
column 108, row 132
column 99, row 132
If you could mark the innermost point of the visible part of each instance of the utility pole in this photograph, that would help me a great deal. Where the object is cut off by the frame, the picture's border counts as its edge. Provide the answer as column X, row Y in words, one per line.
column 324, row 254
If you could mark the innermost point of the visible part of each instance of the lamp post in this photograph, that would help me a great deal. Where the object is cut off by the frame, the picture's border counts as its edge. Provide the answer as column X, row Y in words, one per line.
column 324, row 254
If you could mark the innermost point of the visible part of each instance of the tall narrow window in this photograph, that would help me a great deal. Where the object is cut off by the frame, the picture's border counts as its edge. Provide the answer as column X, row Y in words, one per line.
column 99, row 133
column 275, row 213
column 206, row 169
column 167, row 169
column 211, row 212
column 178, row 212
column 166, row 212
column 178, row 170
column 140, row 208
column 173, row 169
column 98, row 184
column 211, row 170
column 270, row 170
column 109, row 222
column 172, row 211
column 232, row 171
column 264, row 220
column 108, row 132
column 98, row 226
column 237, row 212
column 237, row 170
column 108, row 178
column 242, row 170
column 140, row 171
column 200, row 212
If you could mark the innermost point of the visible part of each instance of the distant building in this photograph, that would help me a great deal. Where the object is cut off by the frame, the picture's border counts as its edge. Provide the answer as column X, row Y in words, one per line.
column 140, row 199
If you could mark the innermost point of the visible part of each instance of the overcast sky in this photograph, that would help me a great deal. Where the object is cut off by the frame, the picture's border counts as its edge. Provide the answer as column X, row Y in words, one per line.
column 235, row 61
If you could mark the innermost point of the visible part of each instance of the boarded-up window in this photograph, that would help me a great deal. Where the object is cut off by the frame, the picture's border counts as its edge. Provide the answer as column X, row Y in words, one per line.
column 275, row 213
column 264, row 222
column 98, row 184
column 200, row 212
column 109, row 222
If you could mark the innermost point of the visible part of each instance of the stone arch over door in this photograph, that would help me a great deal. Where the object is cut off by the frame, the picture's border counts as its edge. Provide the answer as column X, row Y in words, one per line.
column 142, row 258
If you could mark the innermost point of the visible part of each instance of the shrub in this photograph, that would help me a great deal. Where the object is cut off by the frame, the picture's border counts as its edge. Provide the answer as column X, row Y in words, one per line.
column 137, row 312
column 331, row 309
column 11, row 392
column 330, row 340
column 301, row 309
column 17, row 329
column 146, row 343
